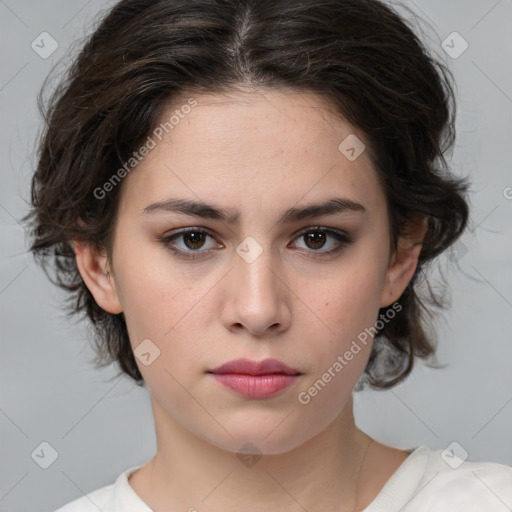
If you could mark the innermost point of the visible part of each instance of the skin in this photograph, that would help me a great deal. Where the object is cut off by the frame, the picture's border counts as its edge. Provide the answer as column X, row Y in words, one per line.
column 259, row 152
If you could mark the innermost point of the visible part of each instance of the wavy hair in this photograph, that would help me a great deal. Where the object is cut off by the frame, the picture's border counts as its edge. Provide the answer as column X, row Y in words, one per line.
column 360, row 55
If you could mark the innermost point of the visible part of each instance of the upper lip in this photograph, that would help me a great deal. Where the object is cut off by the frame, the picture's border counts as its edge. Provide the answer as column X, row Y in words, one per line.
column 248, row 367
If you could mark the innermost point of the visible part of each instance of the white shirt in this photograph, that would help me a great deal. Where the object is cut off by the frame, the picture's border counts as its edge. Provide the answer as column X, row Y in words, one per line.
column 424, row 482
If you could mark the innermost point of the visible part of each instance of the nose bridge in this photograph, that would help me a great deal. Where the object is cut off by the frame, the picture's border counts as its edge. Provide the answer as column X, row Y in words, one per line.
column 258, row 298
column 255, row 269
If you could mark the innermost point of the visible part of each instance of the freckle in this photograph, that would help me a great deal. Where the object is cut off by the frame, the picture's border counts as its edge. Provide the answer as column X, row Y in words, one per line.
column 326, row 303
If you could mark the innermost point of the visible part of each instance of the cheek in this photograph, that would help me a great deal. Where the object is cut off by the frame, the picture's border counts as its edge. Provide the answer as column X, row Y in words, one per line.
column 339, row 356
column 353, row 300
column 348, row 304
column 148, row 306
column 154, row 300
column 161, row 312
column 164, row 304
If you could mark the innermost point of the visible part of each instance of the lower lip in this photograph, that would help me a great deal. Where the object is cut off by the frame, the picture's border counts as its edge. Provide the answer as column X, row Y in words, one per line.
column 256, row 386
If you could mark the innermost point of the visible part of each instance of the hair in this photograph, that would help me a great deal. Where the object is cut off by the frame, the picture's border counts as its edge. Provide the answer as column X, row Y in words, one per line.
column 360, row 55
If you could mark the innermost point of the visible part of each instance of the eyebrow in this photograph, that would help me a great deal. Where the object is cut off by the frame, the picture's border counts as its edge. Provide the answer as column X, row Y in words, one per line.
column 231, row 216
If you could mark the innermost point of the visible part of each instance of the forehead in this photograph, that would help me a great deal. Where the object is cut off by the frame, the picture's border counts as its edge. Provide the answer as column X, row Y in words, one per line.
column 269, row 146
column 275, row 118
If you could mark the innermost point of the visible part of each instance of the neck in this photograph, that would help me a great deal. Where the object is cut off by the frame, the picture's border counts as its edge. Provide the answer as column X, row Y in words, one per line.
column 191, row 474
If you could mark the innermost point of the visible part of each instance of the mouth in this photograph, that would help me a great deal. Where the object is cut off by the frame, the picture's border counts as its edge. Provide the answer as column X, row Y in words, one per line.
column 253, row 379
column 248, row 367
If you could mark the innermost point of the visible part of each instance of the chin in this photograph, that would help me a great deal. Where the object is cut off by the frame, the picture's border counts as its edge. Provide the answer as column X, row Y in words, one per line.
column 257, row 438
column 255, row 446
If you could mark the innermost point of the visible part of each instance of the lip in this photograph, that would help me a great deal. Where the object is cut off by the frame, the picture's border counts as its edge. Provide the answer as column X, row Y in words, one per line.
column 255, row 379
column 248, row 367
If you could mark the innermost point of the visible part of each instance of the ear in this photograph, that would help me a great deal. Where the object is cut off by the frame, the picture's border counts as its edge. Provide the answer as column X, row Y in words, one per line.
column 403, row 261
column 98, row 277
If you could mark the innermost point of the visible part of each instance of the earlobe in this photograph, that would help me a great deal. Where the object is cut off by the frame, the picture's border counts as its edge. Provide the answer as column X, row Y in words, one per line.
column 93, row 267
column 404, row 261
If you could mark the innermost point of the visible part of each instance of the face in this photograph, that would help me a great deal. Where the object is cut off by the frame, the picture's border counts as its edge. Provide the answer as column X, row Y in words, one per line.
column 254, row 284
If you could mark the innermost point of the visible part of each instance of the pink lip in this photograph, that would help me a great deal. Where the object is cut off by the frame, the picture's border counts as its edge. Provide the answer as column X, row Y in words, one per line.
column 255, row 379
column 249, row 367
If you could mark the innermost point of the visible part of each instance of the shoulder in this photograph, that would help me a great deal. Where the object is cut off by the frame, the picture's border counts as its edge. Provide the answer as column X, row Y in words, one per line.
column 451, row 483
column 116, row 497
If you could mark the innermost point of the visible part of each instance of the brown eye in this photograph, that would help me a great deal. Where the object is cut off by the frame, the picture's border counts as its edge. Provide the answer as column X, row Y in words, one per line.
column 315, row 240
column 190, row 243
column 193, row 239
column 319, row 238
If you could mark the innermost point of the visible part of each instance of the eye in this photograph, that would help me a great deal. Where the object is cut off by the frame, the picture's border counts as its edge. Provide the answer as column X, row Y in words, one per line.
column 316, row 238
column 190, row 241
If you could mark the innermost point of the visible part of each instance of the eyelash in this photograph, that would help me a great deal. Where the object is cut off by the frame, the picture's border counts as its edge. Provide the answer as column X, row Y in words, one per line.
column 167, row 240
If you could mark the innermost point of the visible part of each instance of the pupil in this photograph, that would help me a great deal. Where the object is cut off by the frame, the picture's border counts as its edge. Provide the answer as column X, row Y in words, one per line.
column 195, row 238
column 315, row 238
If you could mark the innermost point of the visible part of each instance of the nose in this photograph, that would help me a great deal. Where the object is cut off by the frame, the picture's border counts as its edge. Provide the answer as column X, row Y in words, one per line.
column 257, row 296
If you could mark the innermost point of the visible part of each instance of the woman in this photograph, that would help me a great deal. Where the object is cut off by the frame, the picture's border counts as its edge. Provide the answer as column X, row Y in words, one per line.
column 242, row 196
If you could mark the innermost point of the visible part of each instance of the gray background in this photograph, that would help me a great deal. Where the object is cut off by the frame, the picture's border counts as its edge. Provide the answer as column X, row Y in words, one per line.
column 100, row 427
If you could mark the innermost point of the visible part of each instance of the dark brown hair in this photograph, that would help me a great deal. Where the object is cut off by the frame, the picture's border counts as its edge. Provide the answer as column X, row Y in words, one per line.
column 360, row 55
